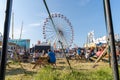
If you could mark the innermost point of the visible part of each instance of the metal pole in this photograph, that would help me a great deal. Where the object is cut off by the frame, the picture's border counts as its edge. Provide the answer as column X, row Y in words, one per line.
column 50, row 16
column 65, row 55
column 5, row 39
column 17, row 43
column 21, row 30
column 56, row 31
column 108, row 42
column 12, row 25
column 112, row 39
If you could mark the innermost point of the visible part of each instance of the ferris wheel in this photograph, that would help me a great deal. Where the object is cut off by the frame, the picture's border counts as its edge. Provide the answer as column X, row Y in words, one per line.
column 61, row 31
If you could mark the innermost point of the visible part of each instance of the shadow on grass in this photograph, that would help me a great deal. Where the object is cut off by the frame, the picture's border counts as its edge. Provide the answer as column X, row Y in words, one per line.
column 74, row 69
column 16, row 71
column 60, row 67
column 62, row 63
column 64, row 67
column 95, row 66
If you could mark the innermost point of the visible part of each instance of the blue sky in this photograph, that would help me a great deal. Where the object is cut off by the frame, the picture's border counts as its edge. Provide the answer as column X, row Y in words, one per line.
column 85, row 16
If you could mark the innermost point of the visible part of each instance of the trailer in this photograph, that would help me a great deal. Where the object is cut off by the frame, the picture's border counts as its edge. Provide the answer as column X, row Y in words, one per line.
column 40, row 48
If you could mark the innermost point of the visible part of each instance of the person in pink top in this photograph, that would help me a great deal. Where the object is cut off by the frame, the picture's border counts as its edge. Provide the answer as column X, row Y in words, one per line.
column 99, row 52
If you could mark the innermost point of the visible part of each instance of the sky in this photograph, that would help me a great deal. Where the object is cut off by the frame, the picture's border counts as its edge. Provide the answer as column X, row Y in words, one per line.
column 84, row 15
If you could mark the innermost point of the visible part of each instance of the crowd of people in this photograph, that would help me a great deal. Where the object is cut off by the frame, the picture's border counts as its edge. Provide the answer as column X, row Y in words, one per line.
column 26, row 56
column 88, row 52
column 50, row 54
column 83, row 53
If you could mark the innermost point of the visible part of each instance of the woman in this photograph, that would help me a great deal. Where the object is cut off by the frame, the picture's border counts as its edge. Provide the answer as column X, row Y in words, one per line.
column 35, row 55
column 99, row 52
column 44, row 54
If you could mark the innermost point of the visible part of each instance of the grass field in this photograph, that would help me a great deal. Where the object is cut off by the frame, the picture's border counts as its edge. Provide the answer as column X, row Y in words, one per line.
column 80, row 71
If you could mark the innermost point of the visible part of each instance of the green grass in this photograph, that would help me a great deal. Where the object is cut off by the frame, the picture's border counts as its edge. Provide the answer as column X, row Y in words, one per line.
column 81, row 71
column 48, row 73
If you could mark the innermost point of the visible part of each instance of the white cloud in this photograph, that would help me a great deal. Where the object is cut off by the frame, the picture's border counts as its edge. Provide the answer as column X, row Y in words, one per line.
column 35, row 24
column 39, row 24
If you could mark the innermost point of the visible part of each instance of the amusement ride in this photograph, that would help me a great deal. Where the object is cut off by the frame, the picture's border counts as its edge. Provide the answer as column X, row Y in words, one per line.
column 60, row 31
